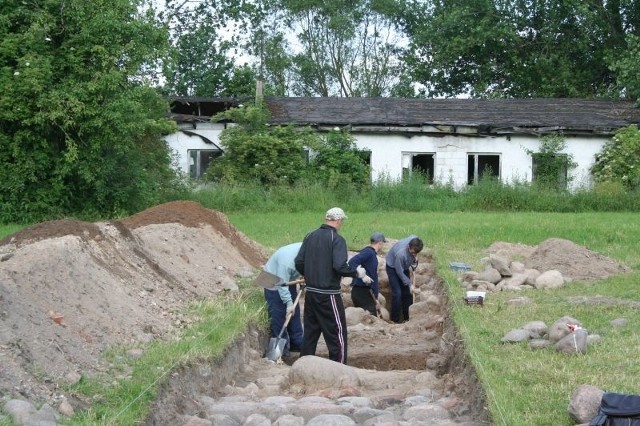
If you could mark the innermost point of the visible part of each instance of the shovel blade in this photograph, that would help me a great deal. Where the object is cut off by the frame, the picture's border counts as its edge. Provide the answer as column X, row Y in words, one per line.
column 275, row 349
column 266, row 280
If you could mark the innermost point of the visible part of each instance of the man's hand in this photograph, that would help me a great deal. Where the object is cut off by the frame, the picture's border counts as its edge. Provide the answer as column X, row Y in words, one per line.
column 361, row 272
column 367, row 279
column 290, row 308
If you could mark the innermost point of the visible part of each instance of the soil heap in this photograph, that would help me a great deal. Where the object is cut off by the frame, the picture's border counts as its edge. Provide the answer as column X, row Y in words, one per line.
column 71, row 289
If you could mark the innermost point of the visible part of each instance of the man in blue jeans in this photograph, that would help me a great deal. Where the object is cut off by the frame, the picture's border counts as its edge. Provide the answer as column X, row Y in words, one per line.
column 280, row 298
column 399, row 260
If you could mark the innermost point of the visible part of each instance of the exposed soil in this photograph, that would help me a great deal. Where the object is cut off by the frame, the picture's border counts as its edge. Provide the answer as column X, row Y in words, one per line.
column 70, row 289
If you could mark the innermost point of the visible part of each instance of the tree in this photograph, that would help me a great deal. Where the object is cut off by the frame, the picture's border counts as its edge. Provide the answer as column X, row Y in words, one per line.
column 205, row 41
column 619, row 160
column 511, row 48
column 626, row 65
column 254, row 151
column 257, row 152
column 342, row 48
column 81, row 128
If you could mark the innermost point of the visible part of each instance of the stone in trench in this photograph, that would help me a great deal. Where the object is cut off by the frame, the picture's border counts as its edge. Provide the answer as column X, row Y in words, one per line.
column 319, row 373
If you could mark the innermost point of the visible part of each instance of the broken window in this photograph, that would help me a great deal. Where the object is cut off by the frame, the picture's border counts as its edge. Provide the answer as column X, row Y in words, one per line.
column 482, row 165
column 419, row 164
column 199, row 160
column 550, row 170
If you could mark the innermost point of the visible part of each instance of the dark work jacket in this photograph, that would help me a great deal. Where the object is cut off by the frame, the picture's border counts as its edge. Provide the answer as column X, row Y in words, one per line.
column 368, row 259
column 322, row 260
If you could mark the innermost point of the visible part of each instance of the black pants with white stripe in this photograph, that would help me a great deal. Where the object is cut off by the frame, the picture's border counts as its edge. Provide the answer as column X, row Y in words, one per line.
column 324, row 315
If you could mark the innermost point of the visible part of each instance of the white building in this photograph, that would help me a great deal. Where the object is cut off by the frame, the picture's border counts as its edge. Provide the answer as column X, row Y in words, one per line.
column 453, row 140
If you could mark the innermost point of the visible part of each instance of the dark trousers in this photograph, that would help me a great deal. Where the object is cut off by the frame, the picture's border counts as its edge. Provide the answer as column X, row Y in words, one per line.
column 324, row 315
column 401, row 297
column 362, row 297
column 277, row 314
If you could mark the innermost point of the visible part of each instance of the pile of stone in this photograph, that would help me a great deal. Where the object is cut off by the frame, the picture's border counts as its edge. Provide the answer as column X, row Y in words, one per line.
column 551, row 264
column 502, row 274
column 566, row 335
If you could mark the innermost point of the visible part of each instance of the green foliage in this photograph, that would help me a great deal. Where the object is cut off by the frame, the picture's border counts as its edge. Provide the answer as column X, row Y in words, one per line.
column 346, row 49
column 203, row 50
column 626, row 63
column 551, row 165
column 257, row 152
column 276, row 155
column 489, row 48
column 81, row 130
column 337, row 162
column 414, row 196
column 619, row 160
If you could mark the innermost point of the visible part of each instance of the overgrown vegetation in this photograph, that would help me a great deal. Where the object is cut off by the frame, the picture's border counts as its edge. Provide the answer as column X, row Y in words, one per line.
column 80, row 127
column 619, row 161
column 550, row 164
column 256, row 152
column 413, row 195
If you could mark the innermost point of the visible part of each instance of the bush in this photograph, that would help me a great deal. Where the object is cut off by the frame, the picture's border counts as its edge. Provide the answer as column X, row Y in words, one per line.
column 620, row 159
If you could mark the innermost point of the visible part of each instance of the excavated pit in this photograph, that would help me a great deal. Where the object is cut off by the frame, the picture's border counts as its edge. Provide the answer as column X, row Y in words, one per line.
column 386, row 356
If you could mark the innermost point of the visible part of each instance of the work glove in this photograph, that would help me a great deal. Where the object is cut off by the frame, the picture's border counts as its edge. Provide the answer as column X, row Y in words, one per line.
column 361, row 272
column 367, row 279
column 290, row 308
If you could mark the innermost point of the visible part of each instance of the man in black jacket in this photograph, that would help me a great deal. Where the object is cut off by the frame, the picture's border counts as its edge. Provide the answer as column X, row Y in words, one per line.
column 322, row 260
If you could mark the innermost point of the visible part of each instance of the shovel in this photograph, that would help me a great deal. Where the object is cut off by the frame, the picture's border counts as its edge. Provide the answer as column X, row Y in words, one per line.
column 376, row 303
column 413, row 285
column 268, row 280
column 277, row 344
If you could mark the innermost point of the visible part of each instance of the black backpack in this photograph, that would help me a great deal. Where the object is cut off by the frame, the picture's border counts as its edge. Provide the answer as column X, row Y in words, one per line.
column 618, row 409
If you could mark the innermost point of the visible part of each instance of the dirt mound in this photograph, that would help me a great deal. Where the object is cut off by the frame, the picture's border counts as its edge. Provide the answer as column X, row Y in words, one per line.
column 113, row 282
column 573, row 261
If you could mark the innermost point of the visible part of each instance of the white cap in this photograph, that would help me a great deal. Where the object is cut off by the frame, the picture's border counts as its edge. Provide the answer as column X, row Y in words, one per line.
column 335, row 213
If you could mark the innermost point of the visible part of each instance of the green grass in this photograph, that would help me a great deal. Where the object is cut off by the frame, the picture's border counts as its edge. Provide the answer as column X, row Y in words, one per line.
column 523, row 387
column 9, row 229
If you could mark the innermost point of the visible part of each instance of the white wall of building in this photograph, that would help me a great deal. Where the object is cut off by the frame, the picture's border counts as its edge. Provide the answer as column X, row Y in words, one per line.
column 180, row 142
column 450, row 154
column 389, row 152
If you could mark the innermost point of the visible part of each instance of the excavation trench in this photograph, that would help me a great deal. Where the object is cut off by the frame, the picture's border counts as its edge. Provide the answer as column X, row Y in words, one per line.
column 410, row 373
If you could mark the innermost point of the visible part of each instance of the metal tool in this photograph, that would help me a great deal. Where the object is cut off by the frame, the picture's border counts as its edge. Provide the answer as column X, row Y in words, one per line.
column 268, row 280
column 375, row 301
column 277, row 344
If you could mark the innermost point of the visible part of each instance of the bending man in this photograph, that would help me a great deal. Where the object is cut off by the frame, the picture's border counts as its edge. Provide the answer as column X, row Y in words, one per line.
column 280, row 298
column 400, row 258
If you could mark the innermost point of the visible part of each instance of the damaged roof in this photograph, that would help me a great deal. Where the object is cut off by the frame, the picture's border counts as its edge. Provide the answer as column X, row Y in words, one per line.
column 444, row 116
column 485, row 115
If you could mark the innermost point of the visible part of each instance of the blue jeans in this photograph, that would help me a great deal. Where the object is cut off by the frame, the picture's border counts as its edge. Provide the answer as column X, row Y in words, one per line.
column 401, row 297
column 277, row 314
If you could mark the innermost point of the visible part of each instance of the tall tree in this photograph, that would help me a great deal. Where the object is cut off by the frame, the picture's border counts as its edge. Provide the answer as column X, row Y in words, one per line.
column 206, row 38
column 80, row 128
column 516, row 48
column 339, row 48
